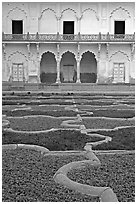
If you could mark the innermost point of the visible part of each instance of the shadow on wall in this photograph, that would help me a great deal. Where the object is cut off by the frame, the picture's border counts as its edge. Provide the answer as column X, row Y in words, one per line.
column 48, row 77
column 88, row 77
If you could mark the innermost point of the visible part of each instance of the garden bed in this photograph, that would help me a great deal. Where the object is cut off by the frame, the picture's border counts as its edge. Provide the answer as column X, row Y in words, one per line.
column 116, row 171
column 60, row 140
column 28, row 177
column 113, row 113
column 122, row 139
column 55, row 113
column 37, row 102
column 37, row 123
column 96, row 123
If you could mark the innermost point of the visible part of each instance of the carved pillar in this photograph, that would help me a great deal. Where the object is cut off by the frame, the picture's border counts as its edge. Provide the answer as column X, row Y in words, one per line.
column 58, row 64
column 58, row 23
column 78, row 65
column 98, row 62
column 78, row 24
column 107, row 58
column 28, row 68
column 38, row 63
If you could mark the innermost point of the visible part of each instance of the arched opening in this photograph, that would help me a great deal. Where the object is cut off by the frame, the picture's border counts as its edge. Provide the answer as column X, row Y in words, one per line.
column 88, row 68
column 48, row 66
column 68, row 68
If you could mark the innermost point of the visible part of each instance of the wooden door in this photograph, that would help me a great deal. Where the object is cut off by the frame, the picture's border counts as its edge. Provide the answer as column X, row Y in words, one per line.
column 119, row 72
column 17, row 72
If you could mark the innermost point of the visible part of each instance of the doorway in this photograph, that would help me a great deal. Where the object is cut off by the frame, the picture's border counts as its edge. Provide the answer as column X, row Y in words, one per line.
column 17, row 27
column 119, row 73
column 119, row 27
column 17, row 72
column 68, row 27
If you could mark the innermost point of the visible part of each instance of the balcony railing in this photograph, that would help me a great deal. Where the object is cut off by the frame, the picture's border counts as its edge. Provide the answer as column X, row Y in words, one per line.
column 69, row 38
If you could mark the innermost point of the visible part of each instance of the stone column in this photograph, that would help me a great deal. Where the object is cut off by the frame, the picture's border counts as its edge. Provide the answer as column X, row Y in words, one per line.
column 28, row 47
column 78, row 71
column 98, row 62
column 58, row 64
column 58, row 23
column 38, row 63
column 78, row 65
column 107, row 59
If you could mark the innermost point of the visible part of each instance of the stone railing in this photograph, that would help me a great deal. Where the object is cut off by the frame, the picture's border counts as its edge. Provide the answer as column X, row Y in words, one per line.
column 69, row 38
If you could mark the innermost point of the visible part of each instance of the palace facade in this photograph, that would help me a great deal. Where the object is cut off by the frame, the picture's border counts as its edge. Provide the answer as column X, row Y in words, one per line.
column 76, row 42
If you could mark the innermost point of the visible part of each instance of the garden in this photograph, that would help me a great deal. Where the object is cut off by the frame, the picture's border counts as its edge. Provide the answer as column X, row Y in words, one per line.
column 56, row 121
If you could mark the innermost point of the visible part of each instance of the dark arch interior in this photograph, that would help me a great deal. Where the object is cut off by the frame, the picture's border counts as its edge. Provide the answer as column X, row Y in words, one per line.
column 68, row 68
column 48, row 66
column 88, row 68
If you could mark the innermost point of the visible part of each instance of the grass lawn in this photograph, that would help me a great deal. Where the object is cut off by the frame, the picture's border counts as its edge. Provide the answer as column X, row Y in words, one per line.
column 95, row 123
column 28, row 177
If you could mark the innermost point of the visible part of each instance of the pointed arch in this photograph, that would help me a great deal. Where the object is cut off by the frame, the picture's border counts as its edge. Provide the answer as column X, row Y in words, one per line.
column 90, row 9
column 17, row 8
column 88, row 50
column 47, row 18
column 120, row 8
column 48, row 51
column 69, row 9
column 70, row 51
column 119, row 51
column 17, row 52
column 47, row 9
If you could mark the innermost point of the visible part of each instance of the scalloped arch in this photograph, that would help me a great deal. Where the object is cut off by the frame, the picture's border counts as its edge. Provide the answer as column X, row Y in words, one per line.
column 17, row 52
column 22, row 10
column 48, row 51
column 90, row 10
column 70, row 10
column 70, row 51
column 119, row 51
column 47, row 10
column 81, row 55
column 118, row 8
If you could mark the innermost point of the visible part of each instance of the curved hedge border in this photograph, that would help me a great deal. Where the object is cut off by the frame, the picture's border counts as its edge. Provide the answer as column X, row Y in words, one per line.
column 24, row 146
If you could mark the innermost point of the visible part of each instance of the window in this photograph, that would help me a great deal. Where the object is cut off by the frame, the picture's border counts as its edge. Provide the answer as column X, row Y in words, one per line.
column 119, row 27
column 68, row 27
column 17, row 27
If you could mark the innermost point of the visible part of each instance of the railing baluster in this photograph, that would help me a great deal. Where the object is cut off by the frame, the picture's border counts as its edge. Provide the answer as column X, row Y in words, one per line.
column 70, row 37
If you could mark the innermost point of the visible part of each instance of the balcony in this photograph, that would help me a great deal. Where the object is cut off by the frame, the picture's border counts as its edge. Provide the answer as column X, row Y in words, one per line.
column 67, row 38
